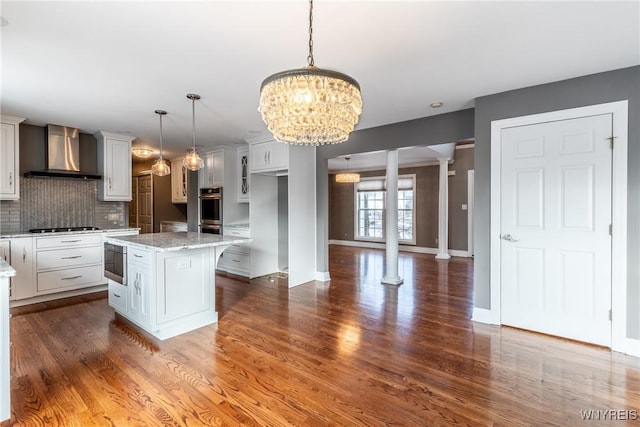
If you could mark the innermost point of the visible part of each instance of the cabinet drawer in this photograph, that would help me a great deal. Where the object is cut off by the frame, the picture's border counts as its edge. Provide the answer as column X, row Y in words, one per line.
column 138, row 255
column 118, row 296
column 68, row 240
column 237, row 232
column 70, row 278
column 234, row 261
column 239, row 249
column 68, row 257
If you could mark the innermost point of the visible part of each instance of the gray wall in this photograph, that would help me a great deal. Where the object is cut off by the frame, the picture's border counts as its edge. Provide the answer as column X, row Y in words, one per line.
column 599, row 88
column 443, row 128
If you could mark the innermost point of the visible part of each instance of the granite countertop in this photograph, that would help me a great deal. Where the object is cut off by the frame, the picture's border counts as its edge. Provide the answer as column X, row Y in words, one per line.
column 176, row 241
column 62, row 233
column 5, row 269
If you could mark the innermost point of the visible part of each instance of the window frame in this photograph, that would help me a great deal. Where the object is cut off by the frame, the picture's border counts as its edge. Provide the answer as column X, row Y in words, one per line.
column 356, row 211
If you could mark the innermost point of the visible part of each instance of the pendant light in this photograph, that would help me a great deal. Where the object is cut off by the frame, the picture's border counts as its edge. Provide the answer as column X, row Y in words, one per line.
column 160, row 167
column 192, row 160
column 310, row 106
column 348, row 177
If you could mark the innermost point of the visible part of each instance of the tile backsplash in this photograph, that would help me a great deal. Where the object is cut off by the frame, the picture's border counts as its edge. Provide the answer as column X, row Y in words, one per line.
column 48, row 203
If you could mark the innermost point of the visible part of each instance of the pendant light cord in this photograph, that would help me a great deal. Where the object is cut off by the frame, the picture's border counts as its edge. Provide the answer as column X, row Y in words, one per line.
column 310, row 57
column 161, row 135
column 193, row 121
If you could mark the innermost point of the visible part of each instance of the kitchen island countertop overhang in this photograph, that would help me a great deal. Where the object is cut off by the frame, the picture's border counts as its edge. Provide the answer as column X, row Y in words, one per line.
column 176, row 241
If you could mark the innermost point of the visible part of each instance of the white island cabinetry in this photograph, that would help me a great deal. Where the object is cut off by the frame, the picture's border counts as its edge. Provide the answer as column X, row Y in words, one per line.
column 171, row 280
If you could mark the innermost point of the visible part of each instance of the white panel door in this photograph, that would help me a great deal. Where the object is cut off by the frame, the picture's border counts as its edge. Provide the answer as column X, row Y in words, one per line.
column 556, row 213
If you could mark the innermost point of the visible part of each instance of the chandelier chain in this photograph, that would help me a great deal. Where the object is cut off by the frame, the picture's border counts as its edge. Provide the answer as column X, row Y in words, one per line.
column 310, row 57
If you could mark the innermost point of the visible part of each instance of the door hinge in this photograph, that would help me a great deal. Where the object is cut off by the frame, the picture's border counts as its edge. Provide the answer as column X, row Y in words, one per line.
column 610, row 315
column 610, row 229
column 611, row 138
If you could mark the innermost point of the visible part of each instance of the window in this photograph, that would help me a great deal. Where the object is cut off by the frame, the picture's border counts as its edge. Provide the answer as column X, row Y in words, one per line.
column 370, row 209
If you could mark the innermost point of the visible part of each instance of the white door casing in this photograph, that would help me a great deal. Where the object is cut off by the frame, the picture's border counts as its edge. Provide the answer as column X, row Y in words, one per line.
column 556, row 212
column 619, row 111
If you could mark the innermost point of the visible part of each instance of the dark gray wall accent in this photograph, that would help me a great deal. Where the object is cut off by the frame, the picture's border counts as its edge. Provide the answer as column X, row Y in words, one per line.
column 33, row 150
column 617, row 85
column 443, row 128
column 163, row 208
column 193, row 210
column 342, row 203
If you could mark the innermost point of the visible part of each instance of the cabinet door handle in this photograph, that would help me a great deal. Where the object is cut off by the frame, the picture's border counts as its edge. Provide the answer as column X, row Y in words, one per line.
column 269, row 156
column 71, row 257
column 72, row 277
column 265, row 157
column 24, row 254
column 10, row 179
column 109, row 183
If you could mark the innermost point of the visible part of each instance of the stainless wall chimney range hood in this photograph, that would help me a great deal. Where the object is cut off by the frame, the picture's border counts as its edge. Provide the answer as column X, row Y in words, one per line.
column 62, row 155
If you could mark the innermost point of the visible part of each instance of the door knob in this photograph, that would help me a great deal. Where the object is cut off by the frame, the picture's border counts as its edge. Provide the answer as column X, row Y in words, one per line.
column 509, row 238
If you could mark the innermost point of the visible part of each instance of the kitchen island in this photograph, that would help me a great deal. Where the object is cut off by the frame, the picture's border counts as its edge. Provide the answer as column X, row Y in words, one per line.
column 169, row 286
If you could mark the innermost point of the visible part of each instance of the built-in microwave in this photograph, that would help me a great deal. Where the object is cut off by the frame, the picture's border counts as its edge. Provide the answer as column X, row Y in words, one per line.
column 115, row 263
column 211, row 210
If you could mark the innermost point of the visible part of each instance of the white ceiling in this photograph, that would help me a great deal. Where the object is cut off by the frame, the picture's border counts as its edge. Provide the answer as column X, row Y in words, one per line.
column 109, row 65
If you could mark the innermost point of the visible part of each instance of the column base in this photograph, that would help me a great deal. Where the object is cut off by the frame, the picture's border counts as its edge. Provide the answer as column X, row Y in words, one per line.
column 443, row 256
column 392, row 281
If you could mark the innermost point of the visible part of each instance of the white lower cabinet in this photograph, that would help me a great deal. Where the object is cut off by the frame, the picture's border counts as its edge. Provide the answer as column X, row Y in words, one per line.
column 167, row 292
column 118, row 295
column 68, row 262
column 139, row 281
column 237, row 258
column 23, row 284
column 5, row 351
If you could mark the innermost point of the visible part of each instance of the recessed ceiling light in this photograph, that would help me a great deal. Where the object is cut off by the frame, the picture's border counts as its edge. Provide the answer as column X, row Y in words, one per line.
column 436, row 104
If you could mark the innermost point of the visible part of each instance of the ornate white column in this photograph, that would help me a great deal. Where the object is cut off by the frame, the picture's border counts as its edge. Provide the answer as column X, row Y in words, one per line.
column 443, row 210
column 391, row 276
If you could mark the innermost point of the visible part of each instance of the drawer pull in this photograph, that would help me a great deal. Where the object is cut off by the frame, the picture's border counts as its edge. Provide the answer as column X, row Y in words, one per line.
column 116, row 295
column 137, row 256
column 71, row 257
column 72, row 277
column 235, row 260
column 70, row 241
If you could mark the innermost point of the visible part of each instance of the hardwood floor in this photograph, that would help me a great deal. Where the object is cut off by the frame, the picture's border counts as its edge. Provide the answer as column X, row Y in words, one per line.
column 347, row 352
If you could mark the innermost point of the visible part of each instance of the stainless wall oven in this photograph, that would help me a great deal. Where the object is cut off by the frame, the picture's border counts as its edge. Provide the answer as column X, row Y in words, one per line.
column 115, row 263
column 211, row 210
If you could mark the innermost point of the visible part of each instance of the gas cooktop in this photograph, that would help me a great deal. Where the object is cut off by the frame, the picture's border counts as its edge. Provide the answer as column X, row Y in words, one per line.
column 61, row 229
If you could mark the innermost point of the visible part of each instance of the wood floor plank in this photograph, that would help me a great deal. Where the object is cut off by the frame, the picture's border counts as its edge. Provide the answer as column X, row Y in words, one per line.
column 347, row 352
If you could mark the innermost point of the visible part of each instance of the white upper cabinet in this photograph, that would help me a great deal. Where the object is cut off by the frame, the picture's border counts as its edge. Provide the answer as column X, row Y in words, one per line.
column 242, row 174
column 114, row 164
column 212, row 174
column 268, row 156
column 178, row 181
column 10, row 158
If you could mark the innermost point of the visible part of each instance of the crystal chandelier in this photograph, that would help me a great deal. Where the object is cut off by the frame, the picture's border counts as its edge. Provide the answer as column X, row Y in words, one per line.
column 348, row 177
column 192, row 160
column 310, row 106
column 160, row 167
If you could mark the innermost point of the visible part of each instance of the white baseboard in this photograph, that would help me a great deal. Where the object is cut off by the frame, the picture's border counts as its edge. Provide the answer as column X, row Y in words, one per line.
column 322, row 276
column 630, row 346
column 405, row 248
column 483, row 315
